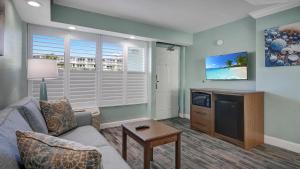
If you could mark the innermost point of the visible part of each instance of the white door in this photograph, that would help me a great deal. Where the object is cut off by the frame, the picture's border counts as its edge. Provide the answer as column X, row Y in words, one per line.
column 167, row 83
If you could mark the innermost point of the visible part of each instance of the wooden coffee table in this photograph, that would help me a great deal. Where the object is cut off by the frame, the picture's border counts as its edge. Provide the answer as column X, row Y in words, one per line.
column 156, row 135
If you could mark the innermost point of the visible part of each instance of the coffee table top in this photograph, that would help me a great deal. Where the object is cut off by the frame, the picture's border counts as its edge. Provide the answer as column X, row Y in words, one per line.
column 157, row 130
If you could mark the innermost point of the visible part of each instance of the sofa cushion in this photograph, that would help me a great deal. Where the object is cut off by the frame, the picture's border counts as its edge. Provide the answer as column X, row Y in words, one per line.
column 83, row 118
column 41, row 151
column 112, row 159
column 59, row 116
column 10, row 121
column 86, row 135
column 30, row 110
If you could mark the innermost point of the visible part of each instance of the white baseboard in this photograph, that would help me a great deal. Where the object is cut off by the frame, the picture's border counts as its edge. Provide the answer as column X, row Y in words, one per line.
column 118, row 123
column 183, row 115
column 295, row 147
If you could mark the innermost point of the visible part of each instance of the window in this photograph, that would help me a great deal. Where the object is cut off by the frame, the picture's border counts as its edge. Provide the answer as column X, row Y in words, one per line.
column 49, row 47
column 136, row 60
column 93, row 70
column 123, row 84
column 136, row 77
column 82, row 83
column 112, row 87
column 112, row 57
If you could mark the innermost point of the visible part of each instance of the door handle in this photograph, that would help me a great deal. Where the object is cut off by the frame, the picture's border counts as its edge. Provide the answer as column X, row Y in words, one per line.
column 156, row 81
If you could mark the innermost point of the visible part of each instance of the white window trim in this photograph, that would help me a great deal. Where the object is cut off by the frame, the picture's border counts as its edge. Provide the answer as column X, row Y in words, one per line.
column 125, row 72
column 68, row 35
column 44, row 31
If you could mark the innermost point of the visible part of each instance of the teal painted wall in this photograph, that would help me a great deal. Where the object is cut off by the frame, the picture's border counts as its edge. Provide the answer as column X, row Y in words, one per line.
column 120, row 113
column 108, row 23
column 103, row 22
column 281, row 84
column 13, row 82
column 237, row 36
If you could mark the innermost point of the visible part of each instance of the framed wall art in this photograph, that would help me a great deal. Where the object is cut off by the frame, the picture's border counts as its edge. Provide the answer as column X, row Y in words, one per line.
column 282, row 45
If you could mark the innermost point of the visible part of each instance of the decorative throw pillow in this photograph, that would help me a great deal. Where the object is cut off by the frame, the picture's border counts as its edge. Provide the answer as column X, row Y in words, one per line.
column 59, row 116
column 39, row 151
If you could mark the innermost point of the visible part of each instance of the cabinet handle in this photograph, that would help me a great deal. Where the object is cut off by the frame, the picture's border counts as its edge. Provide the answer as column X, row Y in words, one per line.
column 202, row 113
column 203, row 125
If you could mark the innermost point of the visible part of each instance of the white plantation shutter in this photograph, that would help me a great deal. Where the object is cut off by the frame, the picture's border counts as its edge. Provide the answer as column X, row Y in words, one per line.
column 136, row 92
column 112, row 89
column 55, row 88
column 49, row 47
column 123, row 76
column 112, row 75
column 136, row 77
column 82, row 79
column 112, row 57
column 94, row 71
column 136, row 59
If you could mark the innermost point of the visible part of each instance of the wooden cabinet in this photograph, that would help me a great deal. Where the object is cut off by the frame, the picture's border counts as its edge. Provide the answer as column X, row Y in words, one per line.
column 203, row 117
column 200, row 118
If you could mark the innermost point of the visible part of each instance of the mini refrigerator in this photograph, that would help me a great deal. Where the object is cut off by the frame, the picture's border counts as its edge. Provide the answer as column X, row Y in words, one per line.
column 229, row 119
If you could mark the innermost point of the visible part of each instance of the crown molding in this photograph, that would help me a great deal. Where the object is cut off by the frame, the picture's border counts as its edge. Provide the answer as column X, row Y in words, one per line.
column 273, row 9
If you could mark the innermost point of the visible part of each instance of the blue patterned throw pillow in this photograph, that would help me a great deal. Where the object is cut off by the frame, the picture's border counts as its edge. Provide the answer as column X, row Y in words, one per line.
column 59, row 116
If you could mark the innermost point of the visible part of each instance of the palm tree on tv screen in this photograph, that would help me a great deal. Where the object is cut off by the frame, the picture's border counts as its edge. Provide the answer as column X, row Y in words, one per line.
column 241, row 60
column 229, row 63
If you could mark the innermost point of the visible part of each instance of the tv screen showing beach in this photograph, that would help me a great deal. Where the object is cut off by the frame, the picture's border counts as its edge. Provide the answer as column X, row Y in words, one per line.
column 227, row 67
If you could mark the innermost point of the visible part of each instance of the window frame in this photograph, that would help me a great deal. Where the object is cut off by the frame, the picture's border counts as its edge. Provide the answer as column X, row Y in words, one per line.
column 73, row 35
column 68, row 35
column 126, row 43
column 144, row 59
column 110, row 39
column 32, row 29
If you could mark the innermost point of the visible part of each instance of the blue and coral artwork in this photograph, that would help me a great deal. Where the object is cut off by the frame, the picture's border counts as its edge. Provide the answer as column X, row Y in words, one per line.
column 282, row 45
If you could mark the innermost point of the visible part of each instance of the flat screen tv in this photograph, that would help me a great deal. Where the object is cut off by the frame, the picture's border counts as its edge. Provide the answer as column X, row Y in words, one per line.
column 232, row 66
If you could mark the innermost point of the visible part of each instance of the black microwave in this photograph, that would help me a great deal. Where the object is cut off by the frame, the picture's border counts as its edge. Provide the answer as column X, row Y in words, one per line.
column 201, row 99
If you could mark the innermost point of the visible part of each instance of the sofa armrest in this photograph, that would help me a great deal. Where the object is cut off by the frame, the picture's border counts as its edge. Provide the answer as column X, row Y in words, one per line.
column 83, row 118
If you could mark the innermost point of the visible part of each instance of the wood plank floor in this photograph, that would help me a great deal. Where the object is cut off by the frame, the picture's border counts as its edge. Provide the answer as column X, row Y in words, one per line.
column 202, row 151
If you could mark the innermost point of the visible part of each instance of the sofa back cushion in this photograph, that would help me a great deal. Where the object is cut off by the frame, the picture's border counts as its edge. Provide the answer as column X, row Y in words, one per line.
column 10, row 121
column 30, row 110
column 41, row 151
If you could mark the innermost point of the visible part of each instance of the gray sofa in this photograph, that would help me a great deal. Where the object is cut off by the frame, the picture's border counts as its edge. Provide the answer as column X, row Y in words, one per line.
column 12, row 119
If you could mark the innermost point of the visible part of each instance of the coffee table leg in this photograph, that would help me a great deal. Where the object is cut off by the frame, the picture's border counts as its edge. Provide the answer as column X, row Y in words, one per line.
column 178, row 151
column 151, row 154
column 147, row 156
column 124, row 145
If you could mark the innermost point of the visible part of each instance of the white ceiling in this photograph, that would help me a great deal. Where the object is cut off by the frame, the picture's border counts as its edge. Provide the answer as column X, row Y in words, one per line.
column 42, row 16
column 184, row 15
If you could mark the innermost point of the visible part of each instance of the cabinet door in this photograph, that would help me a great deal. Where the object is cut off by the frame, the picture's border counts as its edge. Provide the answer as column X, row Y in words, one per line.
column 200, row 118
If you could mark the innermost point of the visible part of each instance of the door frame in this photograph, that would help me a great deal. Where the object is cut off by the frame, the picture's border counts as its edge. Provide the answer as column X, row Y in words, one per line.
column 155, row 114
